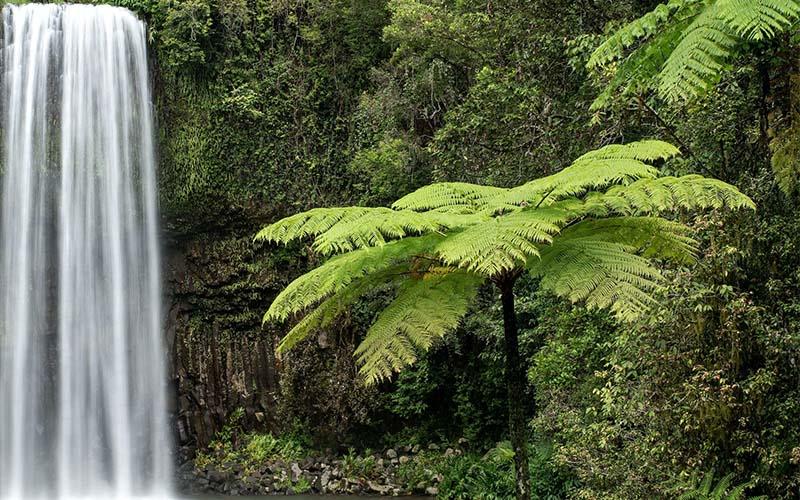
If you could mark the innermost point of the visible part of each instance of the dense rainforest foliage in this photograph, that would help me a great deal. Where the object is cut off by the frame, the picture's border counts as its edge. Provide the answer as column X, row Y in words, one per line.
column 271, row 107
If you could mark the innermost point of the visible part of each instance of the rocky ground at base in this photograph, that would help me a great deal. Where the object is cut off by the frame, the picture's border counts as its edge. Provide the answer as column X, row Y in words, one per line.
column 401, row 471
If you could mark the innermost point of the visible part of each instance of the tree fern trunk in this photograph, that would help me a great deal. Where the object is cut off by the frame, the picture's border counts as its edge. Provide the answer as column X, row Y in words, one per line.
column 515, row 382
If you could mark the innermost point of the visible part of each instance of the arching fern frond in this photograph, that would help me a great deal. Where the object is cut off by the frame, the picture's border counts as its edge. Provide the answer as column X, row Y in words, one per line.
column 686, row 46
column 647, row 150
column 649, row 24
column 450, row 195
column 339, row 230
column 652, row 237
column 698, row 60
column 599, row 273
column 613, row 164
column 759, row 20
column 503, row 243
column 375, row 227
column 639, row 72
column 337, row 304
column 423, row 311
column 609, row 262
column 341, row 271
column 665, row 194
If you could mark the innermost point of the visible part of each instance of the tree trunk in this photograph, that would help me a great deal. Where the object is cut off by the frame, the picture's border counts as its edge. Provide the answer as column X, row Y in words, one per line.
column 515, row 382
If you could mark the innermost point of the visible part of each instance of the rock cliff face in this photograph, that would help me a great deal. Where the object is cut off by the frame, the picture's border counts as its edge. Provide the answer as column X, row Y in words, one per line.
column 222, row 358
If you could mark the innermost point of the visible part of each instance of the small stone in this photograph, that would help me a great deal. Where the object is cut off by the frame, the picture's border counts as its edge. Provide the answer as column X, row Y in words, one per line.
column 432, row 491
column 404, row 459
column 415, row 449
column 390, row 453
column 377, row 488
column 216, row 476
column 296, row 472
column 325, row 478
column 449, row 452
column 433, row 446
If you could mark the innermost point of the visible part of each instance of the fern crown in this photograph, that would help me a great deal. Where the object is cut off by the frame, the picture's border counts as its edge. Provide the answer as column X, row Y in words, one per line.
column 590, row 233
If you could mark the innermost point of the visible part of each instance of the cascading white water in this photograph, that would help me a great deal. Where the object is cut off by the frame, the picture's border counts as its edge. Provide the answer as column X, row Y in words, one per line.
column 82, row 382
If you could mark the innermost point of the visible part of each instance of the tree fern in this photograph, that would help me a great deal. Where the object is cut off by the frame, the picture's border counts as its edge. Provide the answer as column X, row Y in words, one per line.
column 491, row 232
column 591, row 233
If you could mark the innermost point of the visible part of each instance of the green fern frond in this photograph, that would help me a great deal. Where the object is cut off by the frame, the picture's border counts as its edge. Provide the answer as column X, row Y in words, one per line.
column 451, row 195
column 686, row 46
column 665, row 194
column 423, row 311
column 613, row 164
column 652, row 237
column 639, row 71
column 648, row 150
column 707, row 489
column 759, row 20
column 337, row 304
column 374, row 227
column 340, row 230
column 649, row 24
column 697, row 62
column 311, row 223
column 503, row 243
column 599, row 273
column 341, row 271
column 502, row 453
column 722, row 487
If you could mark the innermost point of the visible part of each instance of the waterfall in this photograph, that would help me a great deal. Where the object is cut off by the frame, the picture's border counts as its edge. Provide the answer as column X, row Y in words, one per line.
column 82, row 376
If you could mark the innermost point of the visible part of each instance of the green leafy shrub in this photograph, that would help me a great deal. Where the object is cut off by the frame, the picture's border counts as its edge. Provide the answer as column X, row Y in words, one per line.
column 355, row 465
column 301, row 486
column 709, row 489
column 265, row 447
column 491, row 476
